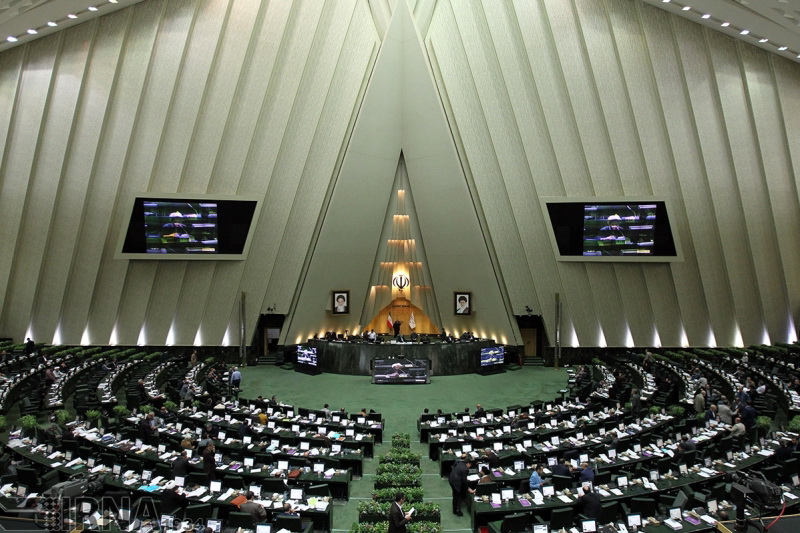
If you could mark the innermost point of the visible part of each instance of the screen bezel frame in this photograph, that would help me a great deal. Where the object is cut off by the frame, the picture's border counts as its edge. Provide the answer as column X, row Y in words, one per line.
column 130, row 202
column 677, row 258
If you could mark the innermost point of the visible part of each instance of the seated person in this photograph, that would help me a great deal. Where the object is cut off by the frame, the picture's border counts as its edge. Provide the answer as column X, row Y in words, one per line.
column 589, row 503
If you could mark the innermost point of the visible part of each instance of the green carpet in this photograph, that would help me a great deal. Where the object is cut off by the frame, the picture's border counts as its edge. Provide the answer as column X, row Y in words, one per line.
column 401, row 406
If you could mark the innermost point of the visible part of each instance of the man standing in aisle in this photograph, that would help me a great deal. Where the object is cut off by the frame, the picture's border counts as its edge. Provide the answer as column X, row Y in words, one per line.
column 458, row 483
column 236, row 378
column 398, row 519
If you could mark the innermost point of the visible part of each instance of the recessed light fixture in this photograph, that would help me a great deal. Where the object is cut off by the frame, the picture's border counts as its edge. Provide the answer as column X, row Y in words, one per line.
column 665, row 1
column 52, row 24
column 32, row 31
column 112, row 1
column 763, row 40
column 11, row 39
column 782, row 48
column 92, row 8
column 687, row 8
column 744, row 32
column 725, row 24
column 706, row 16
column 72, row 16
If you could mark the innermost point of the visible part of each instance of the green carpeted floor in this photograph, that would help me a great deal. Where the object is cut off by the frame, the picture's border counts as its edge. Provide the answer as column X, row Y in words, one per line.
column 400, row 406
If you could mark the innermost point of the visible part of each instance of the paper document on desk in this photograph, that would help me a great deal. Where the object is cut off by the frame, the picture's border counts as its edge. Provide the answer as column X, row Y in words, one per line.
column 473, row 477
column 616, row 492
column 565, row 499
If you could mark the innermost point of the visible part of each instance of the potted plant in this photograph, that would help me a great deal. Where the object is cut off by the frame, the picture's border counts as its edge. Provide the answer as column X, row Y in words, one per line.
column 144, row 409
column 120, row 411
column 372, row 511
column 3, row 423
column 794, row 424
column 400, row 455
column 62, row 417
column 93, row 415
column 379, row 527
column 413, row 494
column 654, row 410
column 424, row 527
column 764, row 424
column 401, row 440
column 676, row 410
column 29, row 424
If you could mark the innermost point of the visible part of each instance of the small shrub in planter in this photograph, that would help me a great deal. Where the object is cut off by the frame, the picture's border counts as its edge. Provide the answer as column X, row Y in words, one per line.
column 399, row 468
column 676, row 410
column 401, row 440
column 397, row 480
column 794, row 424
column 62, row 417
column 413, row 494
column 29, row 424
column 424, row 527
column 120, row 411
column 3, row 422
column 399, row 455
column 170, row 405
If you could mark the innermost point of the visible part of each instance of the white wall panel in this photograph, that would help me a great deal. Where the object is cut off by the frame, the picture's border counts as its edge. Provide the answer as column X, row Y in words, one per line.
column 17, row 167
column 35, row 239
column 89, row 282
column 63, row 255
column 778, row 285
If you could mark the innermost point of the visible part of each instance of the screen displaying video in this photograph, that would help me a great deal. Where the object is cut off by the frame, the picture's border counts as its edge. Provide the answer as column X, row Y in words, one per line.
column 180, row 227
column 612, row 230
column 493, row 355
column 400, row 371
column 307, row 355
column 621, row 229
column 183, row 228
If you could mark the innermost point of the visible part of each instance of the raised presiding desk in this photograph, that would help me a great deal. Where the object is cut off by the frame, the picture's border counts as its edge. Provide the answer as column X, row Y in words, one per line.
column 355, row 358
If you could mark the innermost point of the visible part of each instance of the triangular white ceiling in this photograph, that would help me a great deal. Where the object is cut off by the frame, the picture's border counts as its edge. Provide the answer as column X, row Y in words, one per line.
column 401, row 111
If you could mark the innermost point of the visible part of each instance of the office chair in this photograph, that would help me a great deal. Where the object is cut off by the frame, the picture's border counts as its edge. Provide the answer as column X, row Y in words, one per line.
column 485, row 489
column 602, row 478
column 239, row 519
column 609, row 513
column 203, row 511
column 515, row 523
column 561, row 482
column 290, row 523
column 561, row 518
column 234, row 482
column 197, row 478
column 643, row 506
column 321, row 490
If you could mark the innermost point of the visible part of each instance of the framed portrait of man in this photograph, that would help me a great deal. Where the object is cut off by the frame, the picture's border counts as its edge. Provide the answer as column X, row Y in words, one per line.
column 341, row 302
column 463, row 303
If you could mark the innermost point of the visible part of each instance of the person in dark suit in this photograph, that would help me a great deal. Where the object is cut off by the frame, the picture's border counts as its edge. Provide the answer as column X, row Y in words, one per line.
column 209, row 461
column 458, row 484
column 398, row 519
column 589, row 503
column 180, row 467
column 561, row 469
column 172, row 500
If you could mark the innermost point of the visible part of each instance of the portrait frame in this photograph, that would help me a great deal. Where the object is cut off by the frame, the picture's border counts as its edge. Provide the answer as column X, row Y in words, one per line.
column 335, row 307
column 458, row 296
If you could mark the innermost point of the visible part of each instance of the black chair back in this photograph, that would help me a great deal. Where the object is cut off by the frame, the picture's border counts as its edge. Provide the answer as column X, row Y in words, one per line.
column 290, row 523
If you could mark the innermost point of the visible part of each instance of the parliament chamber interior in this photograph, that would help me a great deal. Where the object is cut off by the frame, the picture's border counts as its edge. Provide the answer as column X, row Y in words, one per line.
column 400, row 266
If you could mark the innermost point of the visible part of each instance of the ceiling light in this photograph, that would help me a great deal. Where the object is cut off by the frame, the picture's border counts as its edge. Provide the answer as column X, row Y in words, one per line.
column 763, row 40
column 782, row 48
column 112, row 1
column 706, row 16
column 52, row 24
column 32, row 31
column 11, row 39
column 665, row 1
column 744, row 32
column 72, row 16
column 92, row 8
column 725, row 24
column 686, row 8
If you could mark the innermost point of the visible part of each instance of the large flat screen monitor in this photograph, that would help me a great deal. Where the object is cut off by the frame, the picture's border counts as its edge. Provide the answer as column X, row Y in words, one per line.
column 493, row 356
column 619, row 229
column 400, row 370
column 306, row 355
column 172, row 226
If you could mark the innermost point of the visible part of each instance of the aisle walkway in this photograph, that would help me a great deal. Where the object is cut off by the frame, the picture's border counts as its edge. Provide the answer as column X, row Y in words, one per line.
column 401, row 406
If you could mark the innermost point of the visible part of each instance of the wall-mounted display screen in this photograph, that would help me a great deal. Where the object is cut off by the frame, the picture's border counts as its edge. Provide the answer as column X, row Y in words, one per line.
column 633, row 229
column 307, row 355
column 493, row 355
column 181, row 227
column 401, row 370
